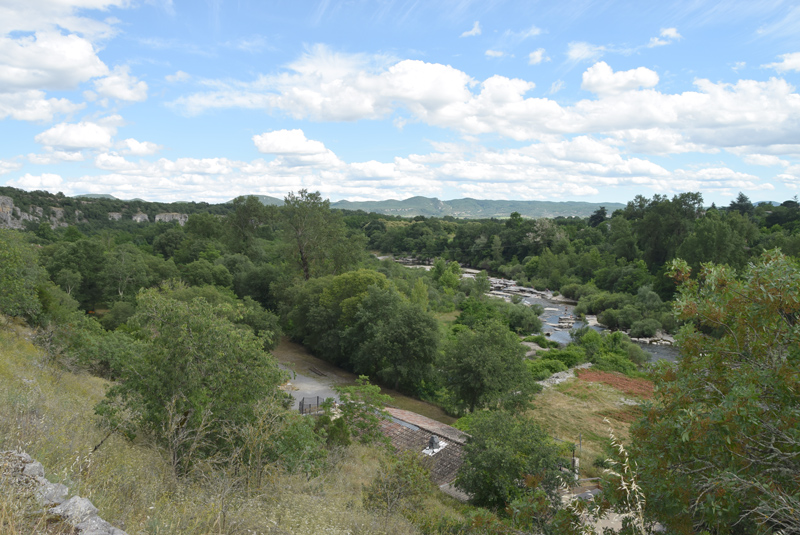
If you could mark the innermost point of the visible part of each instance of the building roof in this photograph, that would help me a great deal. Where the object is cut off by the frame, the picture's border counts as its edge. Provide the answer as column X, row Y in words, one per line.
column 409, row 431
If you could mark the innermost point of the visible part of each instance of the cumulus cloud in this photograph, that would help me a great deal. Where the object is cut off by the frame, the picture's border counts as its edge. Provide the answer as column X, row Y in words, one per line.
column 43, row 181
column 47, row 60
column 33, row 105
column 7, row 166
column 580, row 51
column 83, row 135
column 287, row 142
column 138, row 148
column 120, row 85
column 666, row 37
column 56, row 156
column 789, row 62
column 537, row 56
column 476, row 30
column 602, row 80
column 49, row 45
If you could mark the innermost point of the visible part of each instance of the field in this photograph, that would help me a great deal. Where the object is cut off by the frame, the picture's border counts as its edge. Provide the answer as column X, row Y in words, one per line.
column 575, row 411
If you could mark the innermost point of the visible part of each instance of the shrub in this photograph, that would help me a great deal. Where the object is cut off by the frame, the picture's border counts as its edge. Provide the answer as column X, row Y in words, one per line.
column 571, row 355
column 544, row 368
column 645, row 328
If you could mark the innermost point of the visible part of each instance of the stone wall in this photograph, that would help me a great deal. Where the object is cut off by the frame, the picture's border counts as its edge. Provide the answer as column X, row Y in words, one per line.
column 78, row 515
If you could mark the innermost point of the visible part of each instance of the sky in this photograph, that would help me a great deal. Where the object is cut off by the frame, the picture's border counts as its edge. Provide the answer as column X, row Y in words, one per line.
column 205, row 100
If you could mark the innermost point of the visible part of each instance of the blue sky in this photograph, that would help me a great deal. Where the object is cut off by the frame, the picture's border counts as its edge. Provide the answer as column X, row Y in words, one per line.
column 366, row 100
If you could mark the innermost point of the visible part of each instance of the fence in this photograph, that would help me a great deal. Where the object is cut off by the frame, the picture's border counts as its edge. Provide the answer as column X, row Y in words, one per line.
column 310, row 405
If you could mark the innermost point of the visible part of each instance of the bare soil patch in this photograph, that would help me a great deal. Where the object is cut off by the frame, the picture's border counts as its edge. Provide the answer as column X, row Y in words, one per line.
column 641, row 388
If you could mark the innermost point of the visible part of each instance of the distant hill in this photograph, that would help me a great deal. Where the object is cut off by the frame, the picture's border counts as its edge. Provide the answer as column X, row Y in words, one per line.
column 96, row 196
column 476, row 208
column 266, row 200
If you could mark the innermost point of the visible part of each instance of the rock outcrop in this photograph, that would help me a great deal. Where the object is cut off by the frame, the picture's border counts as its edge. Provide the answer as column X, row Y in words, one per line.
column 114, row 216
column 12, row 217
column 172, row 216
column 140, row 217
column 18, row 471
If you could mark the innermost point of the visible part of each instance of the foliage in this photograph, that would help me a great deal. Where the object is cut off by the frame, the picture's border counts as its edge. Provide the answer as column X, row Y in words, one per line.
column 362, row 410
column 485, row 367
column 20, row 274
column 543, row 368
column 399, row 485
column 717, row 450
column 502, row 450
column 195, row 372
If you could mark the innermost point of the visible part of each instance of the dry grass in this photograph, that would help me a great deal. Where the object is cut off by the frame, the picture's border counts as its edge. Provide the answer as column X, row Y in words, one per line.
column 578, row 407
column 49, row 413
column 639, row 388
column 299, row 359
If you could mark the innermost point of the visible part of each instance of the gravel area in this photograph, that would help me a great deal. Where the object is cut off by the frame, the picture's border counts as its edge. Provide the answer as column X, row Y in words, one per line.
column 560, row 377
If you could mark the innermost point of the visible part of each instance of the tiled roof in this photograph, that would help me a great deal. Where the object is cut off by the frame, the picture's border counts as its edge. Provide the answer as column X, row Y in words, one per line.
column 409, row 431
column 429, row 425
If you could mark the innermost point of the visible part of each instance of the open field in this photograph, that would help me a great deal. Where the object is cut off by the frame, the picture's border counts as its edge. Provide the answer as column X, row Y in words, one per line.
column 579, row 406
column 298, row 358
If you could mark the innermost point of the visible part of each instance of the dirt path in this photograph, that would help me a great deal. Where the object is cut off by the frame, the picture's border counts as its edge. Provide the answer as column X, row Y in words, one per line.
column 316, row 377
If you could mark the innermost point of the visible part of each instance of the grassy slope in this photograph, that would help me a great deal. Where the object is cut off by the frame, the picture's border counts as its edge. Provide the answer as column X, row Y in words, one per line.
column 49, row 413
column 579, row 407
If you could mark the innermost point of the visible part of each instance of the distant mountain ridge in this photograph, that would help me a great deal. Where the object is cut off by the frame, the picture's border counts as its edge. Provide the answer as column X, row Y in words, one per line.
column 468, row 208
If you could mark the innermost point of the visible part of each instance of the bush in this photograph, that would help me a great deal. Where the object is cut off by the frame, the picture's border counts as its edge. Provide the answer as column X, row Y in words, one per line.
column 645, row 328
column 544, row 368
column 613, row 362
column 571, row 355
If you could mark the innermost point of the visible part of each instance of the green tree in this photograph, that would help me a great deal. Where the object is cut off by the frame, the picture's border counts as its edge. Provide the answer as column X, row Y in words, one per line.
column 485, row 367
column 20, row 274
column 392, row 339
column 504, row 449
column 195, row 374
column 124, row 271
column 362, row 409
column 317, row 236
column 718, row 448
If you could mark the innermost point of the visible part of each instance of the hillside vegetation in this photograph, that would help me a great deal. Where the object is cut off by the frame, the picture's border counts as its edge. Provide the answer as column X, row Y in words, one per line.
column 153, row 343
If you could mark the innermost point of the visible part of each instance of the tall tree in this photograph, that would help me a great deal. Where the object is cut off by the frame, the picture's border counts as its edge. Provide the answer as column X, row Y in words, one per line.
column 485, row 368
column 317, row 236
column 718, row 447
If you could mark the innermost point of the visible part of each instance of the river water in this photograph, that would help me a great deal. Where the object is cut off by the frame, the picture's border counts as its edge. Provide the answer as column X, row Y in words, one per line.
column 553, row 310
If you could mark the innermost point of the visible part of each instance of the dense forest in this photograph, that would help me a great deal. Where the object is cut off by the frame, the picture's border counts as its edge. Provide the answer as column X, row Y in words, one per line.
column 181, row 320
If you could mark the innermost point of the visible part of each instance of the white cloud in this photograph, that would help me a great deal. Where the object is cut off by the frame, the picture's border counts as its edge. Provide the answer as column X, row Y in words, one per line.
column 287, row 142
column 77, row 136
column 494, row 53
column 765, row 159
column 7, row 166
column 602, row 80
column 666, row 37
column 33, row 105
column 556, row 86
column 537, row 56
column 325, row 86
column 113, row 162
column 47, row 60
column 789, row 62
column 56, row 156
column 179, row 76
column 476, row 30
column 579, row 51
column 120, row 85
column 37, row 15
column 32, row 182
column 138, row 148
